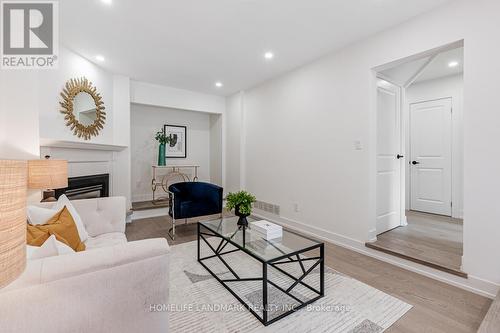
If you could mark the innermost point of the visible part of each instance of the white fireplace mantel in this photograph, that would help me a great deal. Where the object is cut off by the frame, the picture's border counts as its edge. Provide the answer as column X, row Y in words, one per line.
column 79, row 145
column 85, row 159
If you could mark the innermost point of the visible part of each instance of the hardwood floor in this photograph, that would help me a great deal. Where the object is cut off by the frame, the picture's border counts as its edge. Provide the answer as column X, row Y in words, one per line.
column 432, row 240
column 491, row 322
column 437, row 307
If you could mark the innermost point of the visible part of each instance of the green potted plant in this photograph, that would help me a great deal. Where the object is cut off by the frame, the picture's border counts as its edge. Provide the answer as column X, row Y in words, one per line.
column 241, row 202
column 162, row 140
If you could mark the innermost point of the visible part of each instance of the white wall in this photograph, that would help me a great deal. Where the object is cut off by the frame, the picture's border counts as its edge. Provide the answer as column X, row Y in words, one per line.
column 216, row 148
column 19, row 115
column 233, row 140
column 19, row 138
column 145, row 122
column 121, row 136
column 300, row 130
column 152, row 94
column 451, row 86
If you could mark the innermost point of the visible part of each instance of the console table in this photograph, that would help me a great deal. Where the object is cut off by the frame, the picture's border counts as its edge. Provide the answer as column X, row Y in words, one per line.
column 171, row 172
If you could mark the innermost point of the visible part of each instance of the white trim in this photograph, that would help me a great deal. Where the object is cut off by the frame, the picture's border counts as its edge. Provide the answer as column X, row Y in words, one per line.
column 142, row 197
column 472, row 283
column 147, row 213
column 52, row 143
column 385, row 78
column 243, row 138
column 223, row 148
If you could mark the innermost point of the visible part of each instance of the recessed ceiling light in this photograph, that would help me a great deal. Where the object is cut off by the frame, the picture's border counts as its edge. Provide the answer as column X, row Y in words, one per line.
column 269, row 55
column 453, row 64
column 218, row 84
column 99, row 58
column 107, row 2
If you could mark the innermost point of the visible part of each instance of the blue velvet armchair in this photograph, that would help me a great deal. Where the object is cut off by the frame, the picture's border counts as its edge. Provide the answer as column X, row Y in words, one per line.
column 193, row 199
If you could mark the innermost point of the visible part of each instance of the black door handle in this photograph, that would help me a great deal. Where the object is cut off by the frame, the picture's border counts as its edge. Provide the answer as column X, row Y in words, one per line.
column 399, row 156
column 415, row 162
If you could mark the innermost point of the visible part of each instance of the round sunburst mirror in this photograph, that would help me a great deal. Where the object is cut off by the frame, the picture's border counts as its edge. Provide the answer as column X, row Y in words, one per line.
column 83, row 108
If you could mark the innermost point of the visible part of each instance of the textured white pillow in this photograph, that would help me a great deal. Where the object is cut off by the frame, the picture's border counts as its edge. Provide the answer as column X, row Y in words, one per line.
column 64, row 201
column 63, row 248
column 48, row 249
column 51, row 247
column 39, row 215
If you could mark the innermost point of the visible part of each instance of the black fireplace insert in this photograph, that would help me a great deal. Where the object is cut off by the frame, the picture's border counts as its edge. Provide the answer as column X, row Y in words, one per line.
column 86, row 187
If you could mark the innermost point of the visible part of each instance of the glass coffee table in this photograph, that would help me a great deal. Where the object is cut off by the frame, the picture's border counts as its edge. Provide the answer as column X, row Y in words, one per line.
column 271, row 278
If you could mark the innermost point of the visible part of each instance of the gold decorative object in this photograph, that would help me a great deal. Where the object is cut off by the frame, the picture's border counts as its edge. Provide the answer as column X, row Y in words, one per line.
column 74, row 118
column 13, row 188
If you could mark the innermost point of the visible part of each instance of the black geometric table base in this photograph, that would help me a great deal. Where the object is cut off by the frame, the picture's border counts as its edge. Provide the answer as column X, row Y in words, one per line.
column 276, row 263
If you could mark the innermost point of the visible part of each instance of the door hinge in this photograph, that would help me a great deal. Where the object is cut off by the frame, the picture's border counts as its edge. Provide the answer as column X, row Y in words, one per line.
column 451, row 203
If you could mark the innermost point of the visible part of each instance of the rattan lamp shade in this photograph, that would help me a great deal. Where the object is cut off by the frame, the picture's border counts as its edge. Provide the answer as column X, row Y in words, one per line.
column 13, row 181
column 47, row 174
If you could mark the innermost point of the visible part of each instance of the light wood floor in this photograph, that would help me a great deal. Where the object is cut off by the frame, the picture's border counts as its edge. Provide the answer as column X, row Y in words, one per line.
column 491, row 322
column 437, row 307
column 428, row 239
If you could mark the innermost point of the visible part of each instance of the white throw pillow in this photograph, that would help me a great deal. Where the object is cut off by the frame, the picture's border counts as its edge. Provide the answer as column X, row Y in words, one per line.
column 39, row 215
column 48, row 249
column 64, row 201
column 63, row 248
column 51, row 247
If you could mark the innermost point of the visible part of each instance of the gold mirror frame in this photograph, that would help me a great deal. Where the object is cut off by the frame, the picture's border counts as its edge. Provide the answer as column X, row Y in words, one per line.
column 74, row 87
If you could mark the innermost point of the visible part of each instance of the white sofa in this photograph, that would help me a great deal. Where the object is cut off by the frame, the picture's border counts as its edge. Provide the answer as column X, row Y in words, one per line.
column 112, row 286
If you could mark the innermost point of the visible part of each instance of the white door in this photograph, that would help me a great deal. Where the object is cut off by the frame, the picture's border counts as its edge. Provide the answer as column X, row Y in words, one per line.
column 430, row 163
column 388, row 164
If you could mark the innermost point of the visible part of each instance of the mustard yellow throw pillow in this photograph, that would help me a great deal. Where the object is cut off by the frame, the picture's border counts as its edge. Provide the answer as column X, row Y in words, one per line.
column 60, row 225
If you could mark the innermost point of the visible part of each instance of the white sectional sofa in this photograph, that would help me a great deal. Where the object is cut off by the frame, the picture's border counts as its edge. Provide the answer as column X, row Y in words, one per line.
column 112, row 286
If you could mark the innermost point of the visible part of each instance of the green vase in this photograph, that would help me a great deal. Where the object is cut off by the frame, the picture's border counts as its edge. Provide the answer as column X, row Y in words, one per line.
column 161, row 155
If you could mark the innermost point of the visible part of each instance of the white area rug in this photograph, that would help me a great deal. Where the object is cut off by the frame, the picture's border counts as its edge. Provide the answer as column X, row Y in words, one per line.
column 199, row 303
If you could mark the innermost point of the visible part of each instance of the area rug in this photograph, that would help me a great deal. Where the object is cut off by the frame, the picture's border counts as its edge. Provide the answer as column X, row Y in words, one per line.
column 199, row 303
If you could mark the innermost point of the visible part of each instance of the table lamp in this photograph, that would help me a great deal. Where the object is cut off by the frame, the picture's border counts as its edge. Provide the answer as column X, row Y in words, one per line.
column 47, row 175
column 13, row 192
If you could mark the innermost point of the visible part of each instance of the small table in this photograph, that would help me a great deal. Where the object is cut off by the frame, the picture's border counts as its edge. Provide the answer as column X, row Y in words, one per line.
column 173, row 171
column 284, row 266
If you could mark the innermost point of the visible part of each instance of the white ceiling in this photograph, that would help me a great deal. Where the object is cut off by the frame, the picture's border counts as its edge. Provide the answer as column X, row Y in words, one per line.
column 404, row 73
column 439, row 66
column 436, row 68
column 191, row 44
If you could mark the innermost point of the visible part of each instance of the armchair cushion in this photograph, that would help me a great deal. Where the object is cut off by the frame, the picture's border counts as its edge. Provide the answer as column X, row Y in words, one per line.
column 192, row 199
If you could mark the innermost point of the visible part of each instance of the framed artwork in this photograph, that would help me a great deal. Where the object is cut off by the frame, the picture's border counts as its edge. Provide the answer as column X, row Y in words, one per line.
column 177, row 148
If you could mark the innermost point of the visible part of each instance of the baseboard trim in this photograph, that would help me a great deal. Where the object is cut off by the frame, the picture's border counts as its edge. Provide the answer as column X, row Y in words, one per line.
column 472, row 283
column 147, row 213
